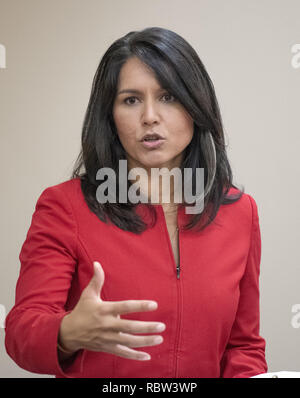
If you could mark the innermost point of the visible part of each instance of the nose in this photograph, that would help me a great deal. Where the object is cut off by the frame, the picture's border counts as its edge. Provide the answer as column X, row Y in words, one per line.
column 150, row 112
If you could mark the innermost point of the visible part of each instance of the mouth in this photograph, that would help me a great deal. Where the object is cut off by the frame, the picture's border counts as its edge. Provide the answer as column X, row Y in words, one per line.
column 153, row 144
column 152, row 141
column 149, row 137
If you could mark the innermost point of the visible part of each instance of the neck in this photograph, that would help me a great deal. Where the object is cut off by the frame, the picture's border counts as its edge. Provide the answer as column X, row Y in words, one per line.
column 154, row 181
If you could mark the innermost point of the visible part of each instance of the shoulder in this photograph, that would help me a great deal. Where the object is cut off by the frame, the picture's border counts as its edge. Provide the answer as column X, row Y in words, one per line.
column 246, row 203
column 62, row 194
column 244, row 211
column 67, row 188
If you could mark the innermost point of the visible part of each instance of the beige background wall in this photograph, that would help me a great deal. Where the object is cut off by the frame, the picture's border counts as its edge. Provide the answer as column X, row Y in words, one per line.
column 53, row 48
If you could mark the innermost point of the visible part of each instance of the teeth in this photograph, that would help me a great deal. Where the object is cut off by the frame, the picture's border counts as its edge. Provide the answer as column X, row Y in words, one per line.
column 151, row 139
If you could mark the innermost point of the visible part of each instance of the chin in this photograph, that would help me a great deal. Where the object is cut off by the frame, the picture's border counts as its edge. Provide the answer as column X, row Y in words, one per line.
column 155, row 163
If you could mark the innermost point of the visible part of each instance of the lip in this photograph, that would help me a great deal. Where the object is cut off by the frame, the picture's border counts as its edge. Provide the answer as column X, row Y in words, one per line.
column 153, row 144
column 152, row 133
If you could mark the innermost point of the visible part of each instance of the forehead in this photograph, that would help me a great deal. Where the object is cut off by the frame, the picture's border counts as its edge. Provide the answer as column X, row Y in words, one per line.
column 136, row 73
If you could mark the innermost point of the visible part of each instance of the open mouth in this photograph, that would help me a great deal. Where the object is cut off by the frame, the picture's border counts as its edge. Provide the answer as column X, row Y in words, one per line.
column 151, row 139
column 152, row 142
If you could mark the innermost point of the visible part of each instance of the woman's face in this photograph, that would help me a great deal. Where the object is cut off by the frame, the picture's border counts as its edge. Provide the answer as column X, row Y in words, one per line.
column 149, row 110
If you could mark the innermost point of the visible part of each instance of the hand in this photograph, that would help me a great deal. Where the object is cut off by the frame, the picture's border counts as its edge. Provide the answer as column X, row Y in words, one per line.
column 95, row 324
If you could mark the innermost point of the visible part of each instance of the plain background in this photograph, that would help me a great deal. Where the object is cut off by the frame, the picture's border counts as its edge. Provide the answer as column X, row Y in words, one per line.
column 53, row 48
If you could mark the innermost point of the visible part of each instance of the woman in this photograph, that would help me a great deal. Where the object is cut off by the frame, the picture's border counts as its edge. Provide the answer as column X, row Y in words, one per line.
column 90, row 269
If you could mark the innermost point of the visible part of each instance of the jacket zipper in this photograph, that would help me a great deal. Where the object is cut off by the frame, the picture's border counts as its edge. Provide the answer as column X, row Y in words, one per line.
column 178, row 266
column 178, row 271
column 178, row 291
column 179, row 309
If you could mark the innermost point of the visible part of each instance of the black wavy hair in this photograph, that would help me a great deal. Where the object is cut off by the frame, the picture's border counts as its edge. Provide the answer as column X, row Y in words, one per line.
column 179, row 70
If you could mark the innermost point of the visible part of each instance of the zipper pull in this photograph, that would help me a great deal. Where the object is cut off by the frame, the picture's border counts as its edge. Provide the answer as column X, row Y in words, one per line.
column 178, row 271
column 178, row 266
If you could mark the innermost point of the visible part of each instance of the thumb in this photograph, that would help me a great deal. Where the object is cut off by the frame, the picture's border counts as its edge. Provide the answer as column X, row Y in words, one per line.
column 93, row 289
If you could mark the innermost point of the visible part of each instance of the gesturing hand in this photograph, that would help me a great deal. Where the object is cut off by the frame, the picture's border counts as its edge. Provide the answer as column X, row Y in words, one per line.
column 96, row 325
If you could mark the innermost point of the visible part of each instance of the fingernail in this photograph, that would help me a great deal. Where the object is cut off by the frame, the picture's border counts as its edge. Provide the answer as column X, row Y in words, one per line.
column 152, row 306
column 160, row 327
column 158, row 340
column 145, row 357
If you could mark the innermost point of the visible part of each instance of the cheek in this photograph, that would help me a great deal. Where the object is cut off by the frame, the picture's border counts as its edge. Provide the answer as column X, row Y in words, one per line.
column 182, row 130
column 125, row 125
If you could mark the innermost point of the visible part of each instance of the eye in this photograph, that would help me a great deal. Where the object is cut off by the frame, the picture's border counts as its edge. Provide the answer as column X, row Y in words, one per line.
column 133, row 98
column 169, row 95
column 129, row 98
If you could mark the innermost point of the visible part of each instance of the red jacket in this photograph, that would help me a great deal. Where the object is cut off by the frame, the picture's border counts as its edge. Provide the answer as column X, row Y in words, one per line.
column 211, row 311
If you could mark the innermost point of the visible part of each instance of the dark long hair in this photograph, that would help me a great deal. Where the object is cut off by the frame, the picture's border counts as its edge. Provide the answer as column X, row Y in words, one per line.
column 179, row 70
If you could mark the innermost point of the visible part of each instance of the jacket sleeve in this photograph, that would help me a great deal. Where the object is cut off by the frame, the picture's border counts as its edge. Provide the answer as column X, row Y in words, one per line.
column 48, row 262
column 244, row 355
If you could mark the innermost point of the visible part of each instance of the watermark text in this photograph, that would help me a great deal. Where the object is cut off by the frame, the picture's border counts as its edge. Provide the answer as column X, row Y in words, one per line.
column 296, row 58
column 2, row 316
column 2, row 56
column 296, row 318
column 147, row 188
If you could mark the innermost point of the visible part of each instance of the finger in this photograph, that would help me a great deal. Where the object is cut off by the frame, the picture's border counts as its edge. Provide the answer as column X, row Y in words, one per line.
column 129, row 306
column 94, row 287
column 136, row 327
column 129, row 340
column 125, row 352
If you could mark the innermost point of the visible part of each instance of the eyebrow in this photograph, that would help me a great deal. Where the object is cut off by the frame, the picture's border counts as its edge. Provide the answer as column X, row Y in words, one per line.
column 134, row 91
